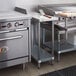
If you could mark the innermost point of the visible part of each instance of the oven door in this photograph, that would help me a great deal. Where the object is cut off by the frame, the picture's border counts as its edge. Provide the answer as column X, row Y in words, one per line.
column 13, row 44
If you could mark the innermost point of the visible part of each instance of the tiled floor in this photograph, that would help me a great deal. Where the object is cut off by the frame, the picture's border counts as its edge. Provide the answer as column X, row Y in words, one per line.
column 68, row 59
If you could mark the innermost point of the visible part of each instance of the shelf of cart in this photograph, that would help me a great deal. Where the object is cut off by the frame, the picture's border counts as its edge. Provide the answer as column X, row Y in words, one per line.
column 41, row 55
column 61, row 47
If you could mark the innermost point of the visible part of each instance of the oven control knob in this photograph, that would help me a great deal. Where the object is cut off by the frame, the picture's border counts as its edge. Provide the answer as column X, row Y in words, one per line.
column 9, row 25
column 16, row 24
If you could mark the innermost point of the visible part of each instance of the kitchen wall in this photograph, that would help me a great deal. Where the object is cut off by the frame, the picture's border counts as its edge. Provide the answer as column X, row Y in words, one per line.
column 57, row 1
column 6, row 5
column 29, row 4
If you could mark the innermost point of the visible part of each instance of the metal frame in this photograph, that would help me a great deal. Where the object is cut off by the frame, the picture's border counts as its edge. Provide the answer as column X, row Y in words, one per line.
column 58, row 45
column 51, row 9
column 43, row 55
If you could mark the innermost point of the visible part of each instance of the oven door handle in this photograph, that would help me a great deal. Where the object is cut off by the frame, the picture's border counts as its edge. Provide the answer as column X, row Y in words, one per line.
column 1, row 32
column 11, row 38
column 23, row 29
column 14, row 30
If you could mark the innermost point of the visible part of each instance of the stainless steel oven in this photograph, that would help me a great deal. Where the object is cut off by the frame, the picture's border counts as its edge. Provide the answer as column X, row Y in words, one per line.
column 14, row 42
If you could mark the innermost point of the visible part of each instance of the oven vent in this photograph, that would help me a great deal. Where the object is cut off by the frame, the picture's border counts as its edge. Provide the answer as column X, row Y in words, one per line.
column 21, row 10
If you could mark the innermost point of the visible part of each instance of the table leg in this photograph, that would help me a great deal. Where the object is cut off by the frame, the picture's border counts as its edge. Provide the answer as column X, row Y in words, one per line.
column 52, row 39
column 43, row 36
column 66, row 28
column 38, row 43
column 58, row 57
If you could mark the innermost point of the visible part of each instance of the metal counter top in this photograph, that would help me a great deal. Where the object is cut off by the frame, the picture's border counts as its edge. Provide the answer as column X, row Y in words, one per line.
column 13, row 15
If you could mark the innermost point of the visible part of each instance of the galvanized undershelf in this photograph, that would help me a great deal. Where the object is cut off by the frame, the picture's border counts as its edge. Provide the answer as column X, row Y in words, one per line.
column 43, row 55
column 61, row 47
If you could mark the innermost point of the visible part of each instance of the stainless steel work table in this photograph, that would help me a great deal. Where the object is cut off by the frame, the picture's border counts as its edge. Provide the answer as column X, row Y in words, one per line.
column 64, row 12
column 63, row 46
column 70, row 26
column 39, row 54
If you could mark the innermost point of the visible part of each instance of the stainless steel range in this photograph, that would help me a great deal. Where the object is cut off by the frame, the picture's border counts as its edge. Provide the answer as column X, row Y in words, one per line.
column 14, row 39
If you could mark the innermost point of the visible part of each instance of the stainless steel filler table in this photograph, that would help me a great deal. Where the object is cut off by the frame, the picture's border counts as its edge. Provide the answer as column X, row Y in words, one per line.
column 39, row 54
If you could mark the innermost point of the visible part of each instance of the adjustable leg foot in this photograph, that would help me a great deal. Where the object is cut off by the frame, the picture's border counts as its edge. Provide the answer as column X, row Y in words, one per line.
column 38, row 65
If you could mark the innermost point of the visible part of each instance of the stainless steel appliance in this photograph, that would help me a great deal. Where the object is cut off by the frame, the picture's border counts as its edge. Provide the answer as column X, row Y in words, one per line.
column 14, row 39
column 66, row 25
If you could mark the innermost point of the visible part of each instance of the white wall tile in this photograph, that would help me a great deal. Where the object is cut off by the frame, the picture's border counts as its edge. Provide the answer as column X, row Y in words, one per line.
column 28, row 4
column 57, row 1
column 6, row 5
